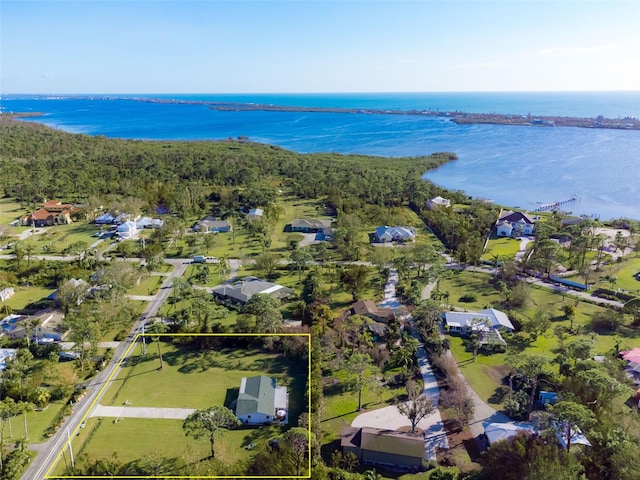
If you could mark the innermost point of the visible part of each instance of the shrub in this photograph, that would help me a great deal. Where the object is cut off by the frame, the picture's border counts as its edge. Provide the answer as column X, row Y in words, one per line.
column 468, row 298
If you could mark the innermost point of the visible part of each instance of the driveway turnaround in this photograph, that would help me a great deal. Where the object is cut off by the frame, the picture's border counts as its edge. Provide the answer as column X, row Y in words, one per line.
column 141, row 412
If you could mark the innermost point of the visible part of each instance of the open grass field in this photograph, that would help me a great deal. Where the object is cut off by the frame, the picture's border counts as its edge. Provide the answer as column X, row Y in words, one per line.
column 190, row 379
column 163, row 441
column 10, row 210
column 25, row 296
column 503, row 247
column 149, row 285
column 624, row 274
column 199, row 379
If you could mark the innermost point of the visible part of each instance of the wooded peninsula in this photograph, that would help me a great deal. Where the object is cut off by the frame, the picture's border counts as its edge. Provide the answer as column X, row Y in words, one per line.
column 462, row 118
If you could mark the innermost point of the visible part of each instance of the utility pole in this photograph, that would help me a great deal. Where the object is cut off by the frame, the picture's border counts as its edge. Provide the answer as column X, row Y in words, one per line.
column 70, row 449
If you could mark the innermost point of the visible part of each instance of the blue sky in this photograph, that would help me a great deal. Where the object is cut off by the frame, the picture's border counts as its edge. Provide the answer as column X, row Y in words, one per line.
column 163, row 46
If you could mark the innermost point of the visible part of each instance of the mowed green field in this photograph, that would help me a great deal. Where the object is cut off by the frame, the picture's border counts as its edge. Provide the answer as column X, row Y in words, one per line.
column 197, row 379
column 162, row 442
column 190, row 379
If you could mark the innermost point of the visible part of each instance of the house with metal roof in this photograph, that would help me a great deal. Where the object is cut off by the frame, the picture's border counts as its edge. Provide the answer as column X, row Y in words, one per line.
column 387, row 234
column 438, row 202
column 240, row 292
column 261, row 400
column 496, row 432
column 310, row 225
column 389, row 448
column 255, row 214
column 470, row 322
column 210, row 224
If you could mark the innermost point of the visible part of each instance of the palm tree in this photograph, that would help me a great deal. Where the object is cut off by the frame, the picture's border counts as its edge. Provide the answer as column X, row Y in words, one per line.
column 156, row 329
column 25, row 407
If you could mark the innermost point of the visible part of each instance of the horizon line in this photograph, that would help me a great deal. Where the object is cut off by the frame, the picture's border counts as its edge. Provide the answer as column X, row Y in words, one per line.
column 380, row 92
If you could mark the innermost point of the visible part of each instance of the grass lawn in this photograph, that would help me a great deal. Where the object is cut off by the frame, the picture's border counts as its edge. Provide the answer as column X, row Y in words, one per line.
column 10, row 210
column 504, row 247
column 149, row 285
column 485, row 374
column 135, row 438
column 37, row 423
column 624, row 273
column 59, row 237
column 27, row 295
column 190, row 379
column 200, row 379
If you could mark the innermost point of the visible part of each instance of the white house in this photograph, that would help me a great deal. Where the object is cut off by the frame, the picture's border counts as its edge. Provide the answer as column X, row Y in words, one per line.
column 438, row 202
column 260, row 400
column 395, row 234
column 127, row 230
column 255, row 214
column 496, row 432
column 6, row 355
column 467, row 322
column 514, row 224
column 148, row 222
column 106, row 219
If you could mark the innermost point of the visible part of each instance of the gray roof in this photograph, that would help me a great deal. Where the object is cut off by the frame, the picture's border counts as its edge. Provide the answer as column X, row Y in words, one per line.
column 384, row 441
column 310, row 223
column 513, row 217
column 212, row 222
column 243, row 290
column 257, row 395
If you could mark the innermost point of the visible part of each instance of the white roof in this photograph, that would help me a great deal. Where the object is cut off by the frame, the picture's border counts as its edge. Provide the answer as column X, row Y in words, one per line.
column 127, row 226
column 473, row 320
column 577, row 437
column 503, row 431
column 440, row 201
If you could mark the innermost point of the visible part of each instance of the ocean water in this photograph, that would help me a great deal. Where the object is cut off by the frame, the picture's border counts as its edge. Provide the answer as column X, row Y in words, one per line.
column 515, row 166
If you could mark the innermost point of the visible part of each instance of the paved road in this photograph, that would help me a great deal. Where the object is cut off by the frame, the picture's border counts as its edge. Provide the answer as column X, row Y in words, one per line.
column 50, row 449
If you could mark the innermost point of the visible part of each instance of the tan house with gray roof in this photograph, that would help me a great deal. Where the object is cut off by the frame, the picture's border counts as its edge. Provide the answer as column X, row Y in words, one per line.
column 384, row 447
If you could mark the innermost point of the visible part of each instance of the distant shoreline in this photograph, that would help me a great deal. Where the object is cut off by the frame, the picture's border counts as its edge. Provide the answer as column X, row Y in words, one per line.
column 461, row 118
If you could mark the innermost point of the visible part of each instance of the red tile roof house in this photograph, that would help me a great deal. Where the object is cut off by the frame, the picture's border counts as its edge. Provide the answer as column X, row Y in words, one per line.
column 51, row 213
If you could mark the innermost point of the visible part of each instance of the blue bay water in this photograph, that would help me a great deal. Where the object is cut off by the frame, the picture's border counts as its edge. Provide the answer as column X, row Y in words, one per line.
column 516, row 166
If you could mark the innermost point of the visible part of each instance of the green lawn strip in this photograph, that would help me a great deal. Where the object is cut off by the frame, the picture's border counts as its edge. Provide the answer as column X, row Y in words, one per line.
column 624, row 274
column 37, row 422
column 26, row 295
column 484, row 374
column 149, row 285
column 193, row 379
column 504, row 247
column 463, row 282
column 10, row 211
column 57, row 238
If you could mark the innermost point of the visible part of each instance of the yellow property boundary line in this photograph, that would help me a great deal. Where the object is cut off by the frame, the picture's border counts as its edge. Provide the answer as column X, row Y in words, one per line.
column 107, row 384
